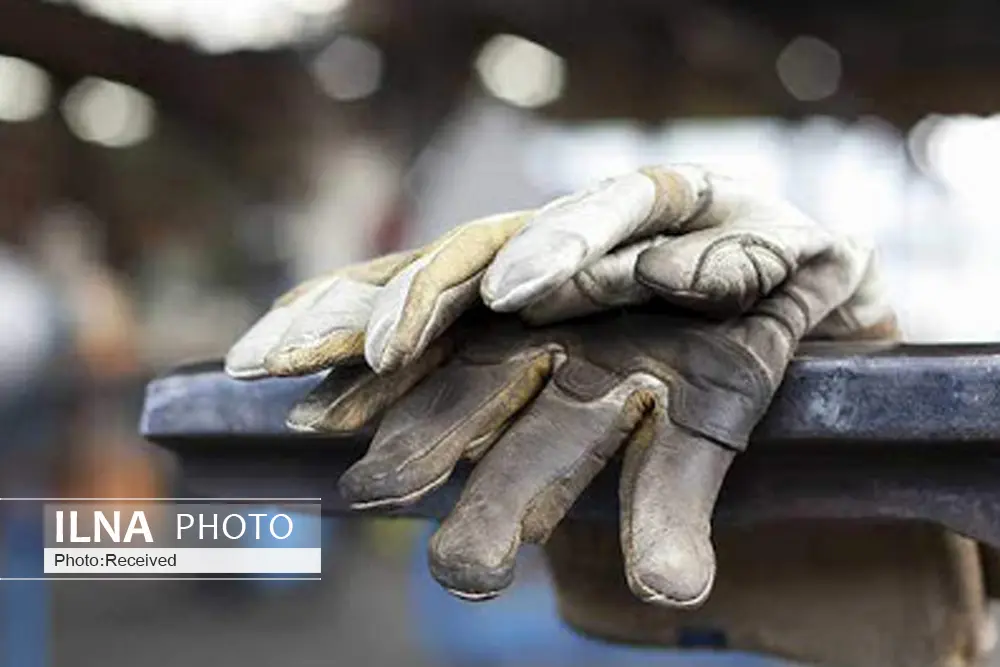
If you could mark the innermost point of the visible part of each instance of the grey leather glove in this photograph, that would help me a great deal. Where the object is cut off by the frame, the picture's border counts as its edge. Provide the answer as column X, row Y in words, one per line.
column 717, row 245
column 542, row 410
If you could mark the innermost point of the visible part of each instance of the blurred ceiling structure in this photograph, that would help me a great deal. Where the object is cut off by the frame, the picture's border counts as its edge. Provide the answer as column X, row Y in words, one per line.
column 251, row 84
column 228, row 61
column 656, row 59
column 231, row 93
column 122, row 120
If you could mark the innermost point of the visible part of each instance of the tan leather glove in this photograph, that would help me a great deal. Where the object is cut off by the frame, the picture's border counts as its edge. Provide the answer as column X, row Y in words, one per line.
column 823, row 593
column 543, row 409
column 716, row 244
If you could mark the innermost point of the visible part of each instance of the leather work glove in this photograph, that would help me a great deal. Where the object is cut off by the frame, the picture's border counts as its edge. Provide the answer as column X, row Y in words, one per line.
column 542, row 410
column 716, row 244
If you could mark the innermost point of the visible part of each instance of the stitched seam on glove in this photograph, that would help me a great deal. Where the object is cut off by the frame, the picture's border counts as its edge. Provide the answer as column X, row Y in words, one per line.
column 754, row 371
column 589, row 289
column 675, row 383
column 744, row 240
column 423, row 453
column 803, row 307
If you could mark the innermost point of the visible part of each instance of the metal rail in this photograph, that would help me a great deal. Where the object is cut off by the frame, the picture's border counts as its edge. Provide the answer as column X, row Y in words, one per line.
column 902, row 432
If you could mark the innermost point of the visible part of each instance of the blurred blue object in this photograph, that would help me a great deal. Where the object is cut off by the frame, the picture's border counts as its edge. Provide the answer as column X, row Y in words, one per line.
column 35, row 382
column 522, row 627
column 24, row 623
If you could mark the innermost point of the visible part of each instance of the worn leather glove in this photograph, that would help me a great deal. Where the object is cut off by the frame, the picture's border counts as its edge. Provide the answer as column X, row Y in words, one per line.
column 544, row 409
column 323, row 321
column 716, row 245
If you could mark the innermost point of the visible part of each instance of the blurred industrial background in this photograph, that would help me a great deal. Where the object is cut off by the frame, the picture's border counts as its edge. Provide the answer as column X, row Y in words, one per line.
column 167, row 167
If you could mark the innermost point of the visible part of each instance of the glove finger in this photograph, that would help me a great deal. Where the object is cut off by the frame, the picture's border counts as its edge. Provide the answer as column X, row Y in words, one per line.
column 246, row 359
column 607, row 283
column 352, row 396
column 571, row 233
column 329, row 329
column 725, row 271
column 524, row 485
column 670, row 480
column 430, row 294
column 457, row 412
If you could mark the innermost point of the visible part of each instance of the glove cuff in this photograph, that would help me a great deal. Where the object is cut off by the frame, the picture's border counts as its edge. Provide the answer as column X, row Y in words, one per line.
column 857, row 594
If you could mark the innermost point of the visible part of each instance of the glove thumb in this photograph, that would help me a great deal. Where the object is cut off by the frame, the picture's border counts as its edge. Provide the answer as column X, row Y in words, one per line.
column 725, row 272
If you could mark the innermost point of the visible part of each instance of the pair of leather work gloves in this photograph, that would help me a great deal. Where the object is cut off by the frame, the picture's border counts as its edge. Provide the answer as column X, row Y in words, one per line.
column 652, row 316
